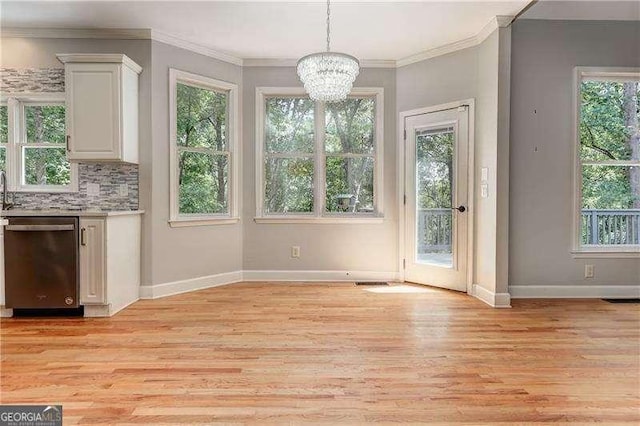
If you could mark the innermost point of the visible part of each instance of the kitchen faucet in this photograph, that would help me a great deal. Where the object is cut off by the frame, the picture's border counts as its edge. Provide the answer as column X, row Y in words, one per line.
column 3, row 181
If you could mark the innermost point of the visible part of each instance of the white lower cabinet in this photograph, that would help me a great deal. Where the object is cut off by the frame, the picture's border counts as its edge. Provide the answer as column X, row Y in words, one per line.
column 109, row 263
column 92, row 262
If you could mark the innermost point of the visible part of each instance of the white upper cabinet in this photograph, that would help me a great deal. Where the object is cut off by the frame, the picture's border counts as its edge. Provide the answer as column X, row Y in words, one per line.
column 102, row 107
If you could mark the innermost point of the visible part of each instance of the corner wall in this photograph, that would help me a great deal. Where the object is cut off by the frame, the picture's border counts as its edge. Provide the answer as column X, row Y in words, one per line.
column 324, row 247
column 185, row 253
column 545, row 54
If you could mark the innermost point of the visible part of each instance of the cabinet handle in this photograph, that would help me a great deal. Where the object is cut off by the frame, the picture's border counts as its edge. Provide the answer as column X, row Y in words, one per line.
column 68, row 143
column 83, row 236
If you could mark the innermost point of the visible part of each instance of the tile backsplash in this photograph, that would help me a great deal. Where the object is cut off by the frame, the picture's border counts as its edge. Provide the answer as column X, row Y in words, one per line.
column 110, row 179
column 117, row 182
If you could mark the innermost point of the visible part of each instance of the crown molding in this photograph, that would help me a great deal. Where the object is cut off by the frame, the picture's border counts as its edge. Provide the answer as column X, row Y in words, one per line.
column 97, row 33
column 117, row 58
column 118, row 34
column 147, row 34
column 194, row 47
column 291, row 62
column 495, row 23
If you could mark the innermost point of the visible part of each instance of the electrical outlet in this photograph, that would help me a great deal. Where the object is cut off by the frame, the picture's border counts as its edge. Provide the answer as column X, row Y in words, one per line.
column 588, row 271
column 123, row 190
column 295, row 252
column 93, row 189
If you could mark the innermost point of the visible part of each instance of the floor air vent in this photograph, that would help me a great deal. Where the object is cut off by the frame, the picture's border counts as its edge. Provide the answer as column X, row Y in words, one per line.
column 372, row 283
column 622, row 300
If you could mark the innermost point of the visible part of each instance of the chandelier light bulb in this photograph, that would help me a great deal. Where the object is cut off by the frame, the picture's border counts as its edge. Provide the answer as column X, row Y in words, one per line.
column 328, row 76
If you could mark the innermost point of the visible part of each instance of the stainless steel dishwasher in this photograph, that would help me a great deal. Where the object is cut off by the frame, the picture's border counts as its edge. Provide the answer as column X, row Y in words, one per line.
column 41, row 262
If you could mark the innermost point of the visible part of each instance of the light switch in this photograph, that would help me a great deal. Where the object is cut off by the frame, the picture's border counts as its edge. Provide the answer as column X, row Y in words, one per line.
column 123, row 190
column 484, row 174
column 93, row 189
column 484, row 190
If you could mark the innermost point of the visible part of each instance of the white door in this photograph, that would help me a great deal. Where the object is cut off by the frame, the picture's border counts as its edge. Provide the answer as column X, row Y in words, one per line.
column 436, row 210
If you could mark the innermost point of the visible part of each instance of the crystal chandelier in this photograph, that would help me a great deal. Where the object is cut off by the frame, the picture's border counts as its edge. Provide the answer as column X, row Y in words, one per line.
column 328, row 76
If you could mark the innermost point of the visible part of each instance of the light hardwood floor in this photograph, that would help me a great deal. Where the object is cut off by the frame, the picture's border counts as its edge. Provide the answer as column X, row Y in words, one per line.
column 331, row 353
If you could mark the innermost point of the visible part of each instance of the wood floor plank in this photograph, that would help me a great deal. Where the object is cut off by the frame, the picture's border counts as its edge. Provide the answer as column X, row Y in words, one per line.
column 294, row 353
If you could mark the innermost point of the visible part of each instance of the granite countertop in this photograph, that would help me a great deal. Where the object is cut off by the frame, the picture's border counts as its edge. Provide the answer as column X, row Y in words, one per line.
column 79, row 213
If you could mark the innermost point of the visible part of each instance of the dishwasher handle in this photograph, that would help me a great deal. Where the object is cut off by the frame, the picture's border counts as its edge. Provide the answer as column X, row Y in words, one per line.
column 39, row 228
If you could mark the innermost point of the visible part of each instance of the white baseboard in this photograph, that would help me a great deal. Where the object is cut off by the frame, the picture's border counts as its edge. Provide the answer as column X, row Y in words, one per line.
column 184, row 286
column 496, row 300
column 5, row 312
column 319, row 276
column 574, row 291
column 200, row 283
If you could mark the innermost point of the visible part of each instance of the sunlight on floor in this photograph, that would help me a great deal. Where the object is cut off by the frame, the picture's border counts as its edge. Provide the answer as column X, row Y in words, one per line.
column 399, row 289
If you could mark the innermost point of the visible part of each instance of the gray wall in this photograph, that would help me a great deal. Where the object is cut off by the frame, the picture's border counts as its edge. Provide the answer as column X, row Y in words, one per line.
column 189, row 252
column 353, row 247
column 41, row 53
column 438, row 80
column 482, row 73
column 543, row 60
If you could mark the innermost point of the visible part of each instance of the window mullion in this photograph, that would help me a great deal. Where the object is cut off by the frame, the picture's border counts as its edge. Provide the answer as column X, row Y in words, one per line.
column 320, row 162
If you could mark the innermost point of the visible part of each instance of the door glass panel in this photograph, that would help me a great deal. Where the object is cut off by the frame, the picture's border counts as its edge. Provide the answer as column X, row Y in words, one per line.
column 434, row 189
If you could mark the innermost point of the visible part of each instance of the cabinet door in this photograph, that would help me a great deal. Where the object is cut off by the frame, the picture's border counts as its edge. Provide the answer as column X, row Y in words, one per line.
column 92, row 262
column 93, row 111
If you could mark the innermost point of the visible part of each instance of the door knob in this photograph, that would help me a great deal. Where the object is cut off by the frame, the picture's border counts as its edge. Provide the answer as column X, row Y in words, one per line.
column 461, row 209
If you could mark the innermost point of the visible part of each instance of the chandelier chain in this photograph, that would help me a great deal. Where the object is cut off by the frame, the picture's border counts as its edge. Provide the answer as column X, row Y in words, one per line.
column 328, row 25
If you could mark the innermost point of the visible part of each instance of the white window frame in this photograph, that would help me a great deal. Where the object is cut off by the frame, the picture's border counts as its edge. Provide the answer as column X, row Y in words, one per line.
column 17, row 140
column 176, row 219
column 578, row 249
column 319, row 215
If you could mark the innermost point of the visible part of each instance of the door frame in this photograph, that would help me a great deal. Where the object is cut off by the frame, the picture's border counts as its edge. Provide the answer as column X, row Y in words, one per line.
column 401, row 161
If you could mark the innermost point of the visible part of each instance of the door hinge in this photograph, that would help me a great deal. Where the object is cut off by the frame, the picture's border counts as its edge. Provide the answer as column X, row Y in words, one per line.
column 404, row 263
column 404, row 199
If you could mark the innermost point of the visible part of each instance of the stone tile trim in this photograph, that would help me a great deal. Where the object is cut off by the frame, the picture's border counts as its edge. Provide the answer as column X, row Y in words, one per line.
column 33, row 80
column 110, row 176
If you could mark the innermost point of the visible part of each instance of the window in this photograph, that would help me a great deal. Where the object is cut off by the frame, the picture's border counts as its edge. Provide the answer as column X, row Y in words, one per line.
column 203, row 150
column 33, row 144
column 317, row 161
column 608, row 160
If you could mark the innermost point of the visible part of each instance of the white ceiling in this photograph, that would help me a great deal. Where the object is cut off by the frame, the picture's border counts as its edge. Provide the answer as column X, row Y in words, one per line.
column 379, row 30
column 384, row 30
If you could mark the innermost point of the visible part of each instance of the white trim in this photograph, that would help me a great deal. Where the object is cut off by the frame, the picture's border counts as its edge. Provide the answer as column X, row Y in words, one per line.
column 577, row 249
column 108, row 58
column 347, row 219
column 195, row 47
column 186, row 221
column 225, row 278
column 17, row 140
column 574, row 291
column 495, row 300
column 495, row 23
column 292, row 62
column 90, row 33
column 319, row 276
column 319, row 215
column 234, row 148
column 188, row 285
column 147, row 34
column 400, row 166
column 617, row 253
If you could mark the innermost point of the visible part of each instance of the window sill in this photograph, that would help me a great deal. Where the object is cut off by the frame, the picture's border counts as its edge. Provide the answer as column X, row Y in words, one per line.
column 202, row 221
column 320, row 220
column 604, row 253
column 43, row 189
